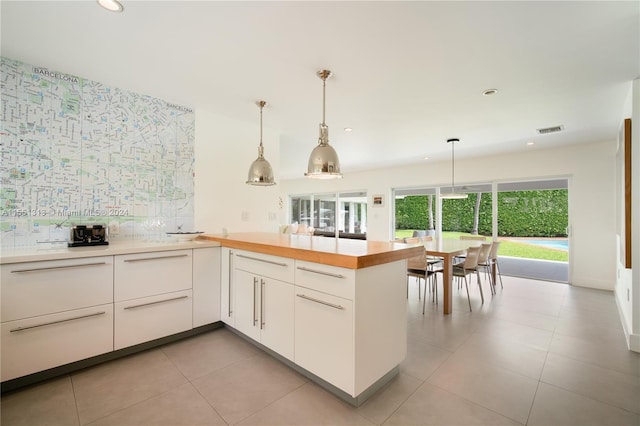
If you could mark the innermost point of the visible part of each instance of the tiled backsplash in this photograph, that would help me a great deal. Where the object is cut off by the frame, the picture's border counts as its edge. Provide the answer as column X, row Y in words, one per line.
column 75, row 151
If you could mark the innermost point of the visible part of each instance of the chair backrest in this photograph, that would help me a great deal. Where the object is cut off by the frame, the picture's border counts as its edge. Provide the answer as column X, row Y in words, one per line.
column 417, row 262
column 426, row 238
column 473, row 237
column 471, row 261
column 494, row 250
column 411, row 240
column 419, row 233
column 483, row 256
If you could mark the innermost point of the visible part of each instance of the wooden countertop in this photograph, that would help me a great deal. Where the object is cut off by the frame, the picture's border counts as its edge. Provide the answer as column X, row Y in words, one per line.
column 342, row 252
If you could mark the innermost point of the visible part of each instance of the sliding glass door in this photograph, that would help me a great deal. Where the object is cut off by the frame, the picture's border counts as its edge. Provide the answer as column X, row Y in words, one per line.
column 333, row 214
column 530, row 218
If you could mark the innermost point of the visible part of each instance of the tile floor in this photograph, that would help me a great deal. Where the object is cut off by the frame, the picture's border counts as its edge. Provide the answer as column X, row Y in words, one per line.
column 537, row 353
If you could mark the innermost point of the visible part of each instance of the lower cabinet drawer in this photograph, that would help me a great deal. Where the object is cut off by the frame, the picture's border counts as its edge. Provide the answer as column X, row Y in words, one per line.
column 324, row 340
column 39, row 343
column 326, row 279
column 149, row 318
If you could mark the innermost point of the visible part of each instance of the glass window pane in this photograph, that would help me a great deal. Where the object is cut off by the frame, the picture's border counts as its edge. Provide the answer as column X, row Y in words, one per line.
column 301, row 210
column 468, row 216
column 353, row 213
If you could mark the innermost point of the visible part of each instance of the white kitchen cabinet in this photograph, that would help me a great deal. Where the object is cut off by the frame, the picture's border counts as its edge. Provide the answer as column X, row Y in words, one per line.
column 227, row 296
column 39, row 343
column 264, row 304
column 55, row 312
column 350, row 324
column 46, row 287
column 206, row 286
column 324, row 343
column 264, row 311
column 144, row 274
column 148, row 318
column 152, row 295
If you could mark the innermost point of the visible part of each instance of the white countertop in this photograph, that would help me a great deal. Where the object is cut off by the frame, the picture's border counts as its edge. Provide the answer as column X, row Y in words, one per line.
column 56, row 252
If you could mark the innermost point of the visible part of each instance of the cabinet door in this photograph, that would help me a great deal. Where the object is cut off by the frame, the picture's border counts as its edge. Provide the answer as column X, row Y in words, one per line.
column 226, row 287
column 206, row 286
column 246, row 287
column 38, row 288
column 324, row 341
column 38, row 343
column 145, row 274
column 276, row 316
column 145, row 319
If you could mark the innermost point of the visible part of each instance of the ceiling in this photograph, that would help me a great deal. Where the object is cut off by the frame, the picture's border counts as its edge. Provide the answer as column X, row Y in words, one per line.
column 407, row 75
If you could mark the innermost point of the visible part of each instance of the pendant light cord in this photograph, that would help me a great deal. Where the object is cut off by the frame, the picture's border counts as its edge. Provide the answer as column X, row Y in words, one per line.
column 261, row 104
column 324, row 95
column 261, row 125
column 453, row 165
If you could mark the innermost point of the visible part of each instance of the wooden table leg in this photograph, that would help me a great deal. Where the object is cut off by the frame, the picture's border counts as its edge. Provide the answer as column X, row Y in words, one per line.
column 447, row 278
column 494, row 273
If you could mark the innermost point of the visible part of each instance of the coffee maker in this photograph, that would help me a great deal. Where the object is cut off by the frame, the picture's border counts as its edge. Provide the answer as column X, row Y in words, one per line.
column 89, row 235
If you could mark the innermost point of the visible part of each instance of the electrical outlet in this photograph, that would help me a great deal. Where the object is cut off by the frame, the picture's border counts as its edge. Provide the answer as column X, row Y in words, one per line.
column 272, row 216
column 245, row 216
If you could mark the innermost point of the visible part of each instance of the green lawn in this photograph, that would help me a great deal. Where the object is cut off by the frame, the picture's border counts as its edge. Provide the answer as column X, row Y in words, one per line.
column 510, row 248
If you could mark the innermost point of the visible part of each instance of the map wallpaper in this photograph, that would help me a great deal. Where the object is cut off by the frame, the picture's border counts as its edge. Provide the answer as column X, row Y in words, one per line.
column 74, row 151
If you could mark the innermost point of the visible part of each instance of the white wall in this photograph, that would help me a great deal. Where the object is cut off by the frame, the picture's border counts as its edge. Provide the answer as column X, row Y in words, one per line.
column 590, row 169
column 633, row 331
column 224, row 150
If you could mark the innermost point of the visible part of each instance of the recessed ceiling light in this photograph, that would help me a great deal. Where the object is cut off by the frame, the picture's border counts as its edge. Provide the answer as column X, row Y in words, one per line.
column 490, row 92
column 111, row 5
column 425, row 158
column 348, row 129
column 530, row 143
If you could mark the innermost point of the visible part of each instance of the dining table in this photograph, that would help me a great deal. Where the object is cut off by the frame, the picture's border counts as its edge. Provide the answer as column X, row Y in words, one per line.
column 448, row 249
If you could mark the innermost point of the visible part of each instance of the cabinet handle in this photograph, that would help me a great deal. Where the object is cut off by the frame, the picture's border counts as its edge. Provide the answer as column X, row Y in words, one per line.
column 142, row 305
column 303, row 296
column 255, row 282
column 50, row 268
column 315, row 271
column 262, row 296
column 56, row 322
column 155, row 258
column 262, row 260
column 229, row 284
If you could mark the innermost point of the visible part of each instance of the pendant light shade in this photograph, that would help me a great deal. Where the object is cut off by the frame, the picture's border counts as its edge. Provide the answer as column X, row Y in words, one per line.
column 323, row 161
column 260, row 172
column 453, row 195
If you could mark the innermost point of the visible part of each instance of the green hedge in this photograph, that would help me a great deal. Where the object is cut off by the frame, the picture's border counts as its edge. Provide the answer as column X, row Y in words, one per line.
column 520, row 214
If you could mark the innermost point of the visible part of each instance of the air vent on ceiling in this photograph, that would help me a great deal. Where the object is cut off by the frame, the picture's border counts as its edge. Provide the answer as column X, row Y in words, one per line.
column 553, row 129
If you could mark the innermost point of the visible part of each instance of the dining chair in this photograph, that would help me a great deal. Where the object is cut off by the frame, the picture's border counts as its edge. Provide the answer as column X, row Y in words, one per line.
column 460, row 258
column 416, row 266
column 432, row 261
column 411, row 240
column 484, row 262
column 469, row 266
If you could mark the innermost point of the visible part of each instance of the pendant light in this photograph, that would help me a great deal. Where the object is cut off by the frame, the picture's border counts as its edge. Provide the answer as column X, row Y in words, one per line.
column 260, row 172
column 452, row 195
column 323, row 161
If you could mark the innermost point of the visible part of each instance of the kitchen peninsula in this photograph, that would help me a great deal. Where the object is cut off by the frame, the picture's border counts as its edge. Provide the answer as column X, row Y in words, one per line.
column 334, row 309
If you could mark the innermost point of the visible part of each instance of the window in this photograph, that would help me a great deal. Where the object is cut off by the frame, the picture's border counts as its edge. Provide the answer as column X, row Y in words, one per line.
column 345, row 213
